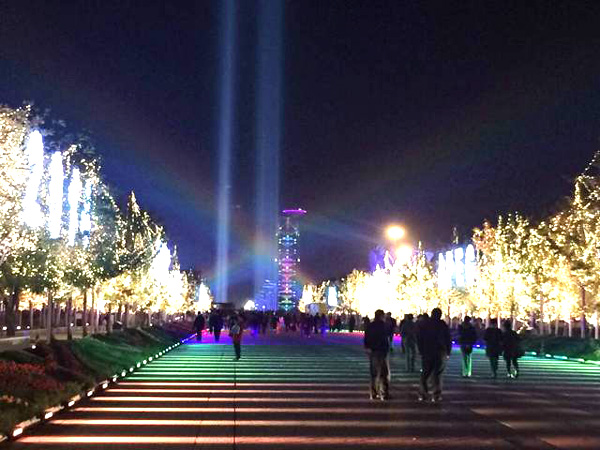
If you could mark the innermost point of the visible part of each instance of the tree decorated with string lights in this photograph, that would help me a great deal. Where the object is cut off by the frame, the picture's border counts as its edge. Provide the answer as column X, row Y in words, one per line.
column 64, row 243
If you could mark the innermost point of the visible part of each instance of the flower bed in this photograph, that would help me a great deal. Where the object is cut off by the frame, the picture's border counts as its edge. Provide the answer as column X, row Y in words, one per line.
column 26, row 390
column 47, row 375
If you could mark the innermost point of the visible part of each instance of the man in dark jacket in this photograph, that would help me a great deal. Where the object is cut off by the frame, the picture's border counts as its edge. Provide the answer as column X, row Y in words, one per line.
column 390, row 323
column 377, row 344
column 467, row 337
column 216, row 323
column 435, row 345
column 512, row 349
column 199, row 326
column 408, row 333
column 493, row 346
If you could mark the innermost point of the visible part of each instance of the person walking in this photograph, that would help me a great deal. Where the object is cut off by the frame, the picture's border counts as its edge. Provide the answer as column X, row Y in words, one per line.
column 338, row 324
column 512, row 349
column 377, row 345
column 199, row 323
column 235, row 332
column 216, row 323
column 351, row 323
column 400, row 325
column 390, row 324
column 493, row 346
column 408, row 333
column 435, row 345
column 467, row 337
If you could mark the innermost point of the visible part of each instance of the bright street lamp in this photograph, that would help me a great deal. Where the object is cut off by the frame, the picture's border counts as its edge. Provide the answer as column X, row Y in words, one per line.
column 395, row 233
column 404, row 254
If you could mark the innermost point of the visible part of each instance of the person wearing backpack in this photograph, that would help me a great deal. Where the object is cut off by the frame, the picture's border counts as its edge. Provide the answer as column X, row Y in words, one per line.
column 235, row 332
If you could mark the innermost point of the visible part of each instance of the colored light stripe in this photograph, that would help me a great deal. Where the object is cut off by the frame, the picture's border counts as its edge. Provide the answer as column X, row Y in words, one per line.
column 295, row 410
column 226, row 399
column 236, row 391
column 244, row 384
column 249, row 423
column 261, row 440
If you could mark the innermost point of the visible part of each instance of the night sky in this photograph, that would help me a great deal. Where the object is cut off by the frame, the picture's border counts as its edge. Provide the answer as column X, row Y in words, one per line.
column 433, row 114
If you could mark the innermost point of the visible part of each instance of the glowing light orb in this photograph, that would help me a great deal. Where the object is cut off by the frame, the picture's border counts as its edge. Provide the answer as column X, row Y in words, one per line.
column 404, row 254
column 395, row 232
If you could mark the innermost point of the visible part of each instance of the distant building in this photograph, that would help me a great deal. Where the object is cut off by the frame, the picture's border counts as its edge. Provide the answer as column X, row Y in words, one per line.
column 288, row 259
column 457, row 268
column 267, row 296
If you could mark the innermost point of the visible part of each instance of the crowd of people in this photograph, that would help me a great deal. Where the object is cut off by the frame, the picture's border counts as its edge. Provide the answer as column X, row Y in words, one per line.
column 262, row 322
column 431, row 337
column 427, row 336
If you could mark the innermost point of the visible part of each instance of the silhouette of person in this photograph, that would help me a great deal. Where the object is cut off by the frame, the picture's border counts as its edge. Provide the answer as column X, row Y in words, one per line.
column 467, row 337
column 512, row 349
column 435, row 345
column 408, row 332
column 377, row 345
column 493, row 346
column 199, row 323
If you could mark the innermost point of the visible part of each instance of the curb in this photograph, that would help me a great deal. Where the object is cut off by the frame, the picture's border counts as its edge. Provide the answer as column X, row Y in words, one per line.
column 21, row 427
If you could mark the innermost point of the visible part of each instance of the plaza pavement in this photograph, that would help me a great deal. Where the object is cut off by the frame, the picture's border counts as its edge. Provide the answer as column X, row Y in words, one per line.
column 299, row 393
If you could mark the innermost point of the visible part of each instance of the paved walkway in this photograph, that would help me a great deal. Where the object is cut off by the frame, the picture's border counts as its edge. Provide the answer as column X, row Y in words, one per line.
column 290, row 392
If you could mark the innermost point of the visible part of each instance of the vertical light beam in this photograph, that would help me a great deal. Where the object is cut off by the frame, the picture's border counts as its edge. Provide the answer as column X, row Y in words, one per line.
column 268, row 142
column 227, row 71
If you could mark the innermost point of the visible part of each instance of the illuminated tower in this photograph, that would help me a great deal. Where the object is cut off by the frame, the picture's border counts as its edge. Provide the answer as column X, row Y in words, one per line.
column 288, row 258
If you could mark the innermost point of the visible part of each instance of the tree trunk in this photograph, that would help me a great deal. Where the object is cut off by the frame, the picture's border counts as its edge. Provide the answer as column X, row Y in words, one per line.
column 556, row 322
column 49, row 328
column 68, row 314
column 94, row 312
column 11, row 304
column 84, row 314
column 57, row 311
column 570, row 327
column 542, row 322
column 109, row 320
column 126, row 317
column 30, row 315
column 583, row 324
column 596, row 323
